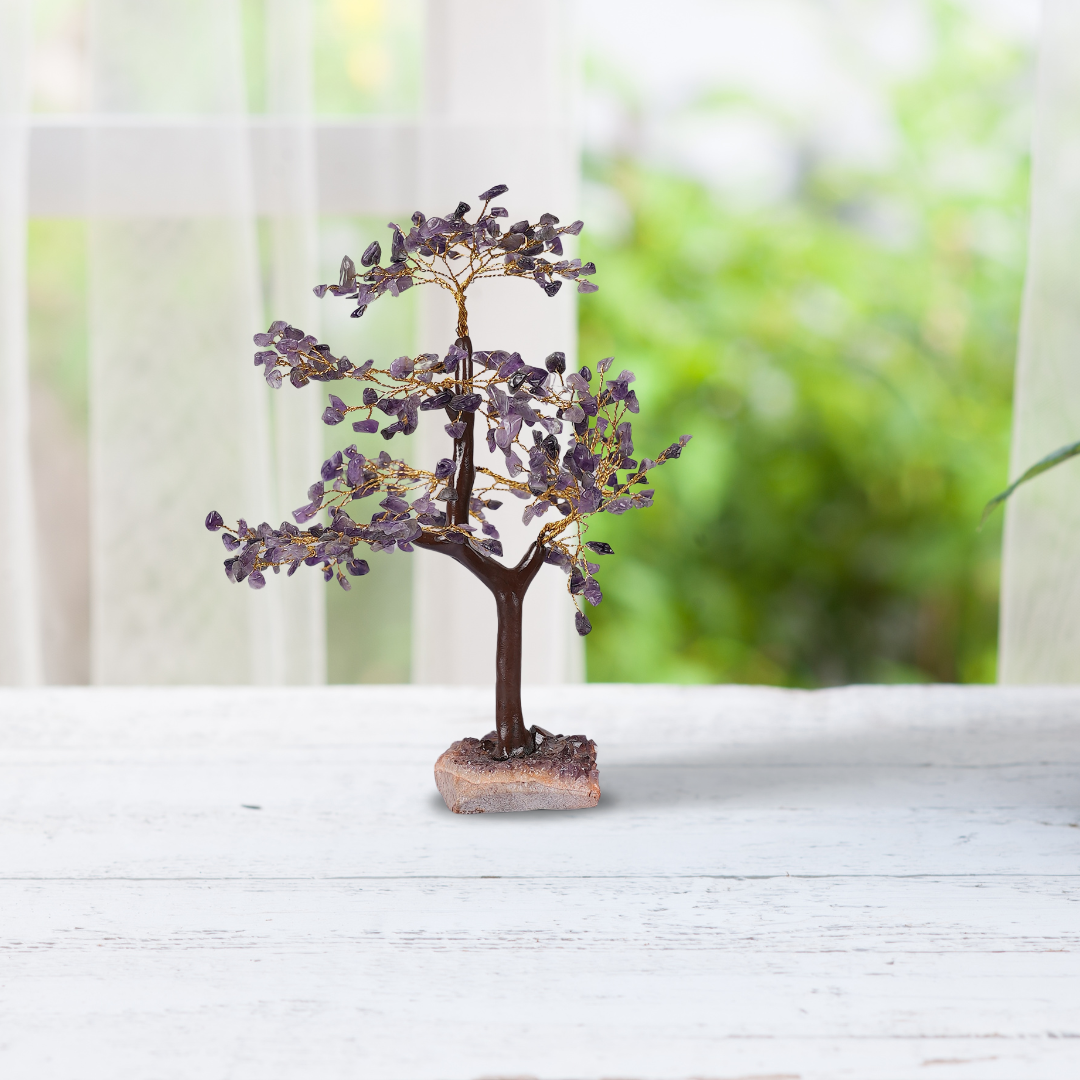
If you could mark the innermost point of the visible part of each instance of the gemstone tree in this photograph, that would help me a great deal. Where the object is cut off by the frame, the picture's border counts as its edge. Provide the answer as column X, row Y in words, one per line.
column 524, row 408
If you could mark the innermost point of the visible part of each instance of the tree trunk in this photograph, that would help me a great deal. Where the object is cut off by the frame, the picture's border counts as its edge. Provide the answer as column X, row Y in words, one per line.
column 508, row 585
column 514, row 737
column 464, row 461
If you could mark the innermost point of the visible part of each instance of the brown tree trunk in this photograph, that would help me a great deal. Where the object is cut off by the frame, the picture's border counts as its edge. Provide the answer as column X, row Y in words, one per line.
column 513, row 736
column 508, row 584
column 464, row 461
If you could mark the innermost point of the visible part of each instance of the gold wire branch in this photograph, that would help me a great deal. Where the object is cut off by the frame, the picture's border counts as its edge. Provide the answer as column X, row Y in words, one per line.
column 498, row 387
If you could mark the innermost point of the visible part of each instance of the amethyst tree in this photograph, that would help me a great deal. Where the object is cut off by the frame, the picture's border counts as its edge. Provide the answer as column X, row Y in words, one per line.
column 566, row 439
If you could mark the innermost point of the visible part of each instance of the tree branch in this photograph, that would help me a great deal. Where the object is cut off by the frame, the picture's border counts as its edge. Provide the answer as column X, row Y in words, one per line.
column 464, row 457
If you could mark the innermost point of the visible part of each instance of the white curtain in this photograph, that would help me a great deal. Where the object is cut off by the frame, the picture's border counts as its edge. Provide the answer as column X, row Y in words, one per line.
column 203, row 226
column 163, row 167
column 20, row 642
column 178, row 425
column 290, row 199
column 479, row 131
column 1040, row 591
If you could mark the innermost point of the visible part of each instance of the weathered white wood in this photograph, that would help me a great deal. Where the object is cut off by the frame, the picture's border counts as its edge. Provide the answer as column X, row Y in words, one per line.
column 864, row 883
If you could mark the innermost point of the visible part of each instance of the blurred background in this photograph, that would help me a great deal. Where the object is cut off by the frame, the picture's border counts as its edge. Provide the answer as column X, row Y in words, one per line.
column 810, row 219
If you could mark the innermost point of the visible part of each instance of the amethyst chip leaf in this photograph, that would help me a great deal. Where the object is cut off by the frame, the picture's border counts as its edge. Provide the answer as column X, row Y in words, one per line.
column 566, row 440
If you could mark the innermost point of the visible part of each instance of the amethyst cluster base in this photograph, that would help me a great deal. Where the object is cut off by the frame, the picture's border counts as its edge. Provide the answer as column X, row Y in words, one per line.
column 560, row 775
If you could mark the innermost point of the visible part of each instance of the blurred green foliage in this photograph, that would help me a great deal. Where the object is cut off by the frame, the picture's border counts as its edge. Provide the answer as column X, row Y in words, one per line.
column 56, row 315
column 843, row 358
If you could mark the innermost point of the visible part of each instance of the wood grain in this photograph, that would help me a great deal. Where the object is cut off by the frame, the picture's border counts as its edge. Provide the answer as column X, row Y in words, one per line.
column 864, row 883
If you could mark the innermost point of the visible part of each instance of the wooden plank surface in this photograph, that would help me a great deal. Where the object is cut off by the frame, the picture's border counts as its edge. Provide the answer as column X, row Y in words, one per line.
column 864, row 883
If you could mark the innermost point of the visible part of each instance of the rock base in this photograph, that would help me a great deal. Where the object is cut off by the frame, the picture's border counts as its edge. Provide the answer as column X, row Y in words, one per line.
column 560, row 775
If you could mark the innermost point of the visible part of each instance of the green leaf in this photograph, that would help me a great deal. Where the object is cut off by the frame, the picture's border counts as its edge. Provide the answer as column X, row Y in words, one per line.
column 1048, row 462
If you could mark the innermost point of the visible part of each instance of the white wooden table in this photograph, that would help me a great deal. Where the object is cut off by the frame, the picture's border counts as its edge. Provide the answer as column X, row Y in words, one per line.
column 864, row 883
